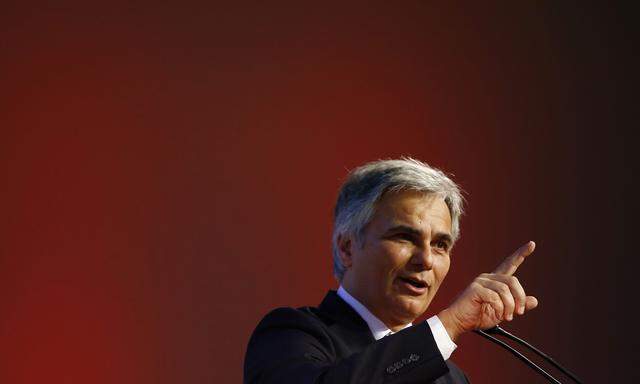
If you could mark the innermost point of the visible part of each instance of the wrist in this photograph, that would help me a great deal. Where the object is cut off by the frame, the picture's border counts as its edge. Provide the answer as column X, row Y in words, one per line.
column 450, row 323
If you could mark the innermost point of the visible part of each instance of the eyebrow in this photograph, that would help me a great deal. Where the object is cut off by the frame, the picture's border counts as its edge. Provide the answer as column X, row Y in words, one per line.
column 406, row 229
column 416, row 232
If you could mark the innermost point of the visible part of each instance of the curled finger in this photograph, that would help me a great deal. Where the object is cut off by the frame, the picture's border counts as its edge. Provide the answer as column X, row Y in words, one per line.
column 493, row 301
column 504, row 293
column 517, row 291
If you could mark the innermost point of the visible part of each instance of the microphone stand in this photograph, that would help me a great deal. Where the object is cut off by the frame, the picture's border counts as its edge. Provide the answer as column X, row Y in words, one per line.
column 499, row 331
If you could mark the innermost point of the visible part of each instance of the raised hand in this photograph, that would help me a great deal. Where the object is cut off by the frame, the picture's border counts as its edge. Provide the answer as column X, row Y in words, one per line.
column 490, row 298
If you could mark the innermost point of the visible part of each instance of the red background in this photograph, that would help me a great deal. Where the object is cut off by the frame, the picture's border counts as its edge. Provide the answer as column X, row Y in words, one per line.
column 169, row 172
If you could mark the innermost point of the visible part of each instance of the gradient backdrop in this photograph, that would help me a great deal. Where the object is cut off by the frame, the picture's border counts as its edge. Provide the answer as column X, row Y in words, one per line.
column 169, row 171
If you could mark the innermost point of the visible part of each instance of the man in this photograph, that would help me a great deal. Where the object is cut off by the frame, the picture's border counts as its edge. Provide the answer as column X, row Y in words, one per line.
column 395, row 224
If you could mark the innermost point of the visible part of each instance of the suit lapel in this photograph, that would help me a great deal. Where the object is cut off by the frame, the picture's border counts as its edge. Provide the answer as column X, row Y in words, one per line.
column 345, row 323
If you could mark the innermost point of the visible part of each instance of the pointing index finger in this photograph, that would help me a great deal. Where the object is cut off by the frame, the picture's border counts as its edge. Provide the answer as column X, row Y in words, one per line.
column 510, row 264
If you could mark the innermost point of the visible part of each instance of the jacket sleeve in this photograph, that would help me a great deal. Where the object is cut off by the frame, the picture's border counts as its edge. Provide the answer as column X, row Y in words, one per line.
column 291, row 346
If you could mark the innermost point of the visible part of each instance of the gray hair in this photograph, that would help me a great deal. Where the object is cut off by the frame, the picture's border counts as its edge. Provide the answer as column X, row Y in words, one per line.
column 366, row 185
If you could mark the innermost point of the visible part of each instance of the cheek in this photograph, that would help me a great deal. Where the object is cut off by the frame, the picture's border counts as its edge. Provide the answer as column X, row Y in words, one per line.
column 396, row 254
column 442, row 269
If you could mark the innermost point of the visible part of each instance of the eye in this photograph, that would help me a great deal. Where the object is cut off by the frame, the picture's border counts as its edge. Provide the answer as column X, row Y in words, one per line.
column 442, row 245
column 404, row 237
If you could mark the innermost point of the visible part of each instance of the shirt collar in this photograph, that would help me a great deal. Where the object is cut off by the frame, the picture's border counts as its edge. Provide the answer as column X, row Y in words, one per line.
column 377, row 327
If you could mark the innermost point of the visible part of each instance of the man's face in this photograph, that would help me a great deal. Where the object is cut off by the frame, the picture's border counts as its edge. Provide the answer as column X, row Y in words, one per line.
column 403, row 257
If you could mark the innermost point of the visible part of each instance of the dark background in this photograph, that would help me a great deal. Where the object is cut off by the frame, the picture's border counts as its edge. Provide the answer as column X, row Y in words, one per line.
column 169, row 172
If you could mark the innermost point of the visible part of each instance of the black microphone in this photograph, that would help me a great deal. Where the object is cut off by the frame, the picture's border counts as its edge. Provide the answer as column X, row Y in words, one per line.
column 499, row 331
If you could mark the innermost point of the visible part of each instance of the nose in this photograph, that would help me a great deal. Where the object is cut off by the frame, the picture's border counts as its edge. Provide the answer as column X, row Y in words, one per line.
column 423, row 257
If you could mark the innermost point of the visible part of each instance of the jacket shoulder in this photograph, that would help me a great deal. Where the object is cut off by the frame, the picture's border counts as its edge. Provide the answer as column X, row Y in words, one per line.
column 287, row 336
column 287, row 317
column 293, row 328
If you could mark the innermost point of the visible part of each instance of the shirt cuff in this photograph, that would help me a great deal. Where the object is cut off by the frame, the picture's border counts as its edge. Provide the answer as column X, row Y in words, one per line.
column 443, row 341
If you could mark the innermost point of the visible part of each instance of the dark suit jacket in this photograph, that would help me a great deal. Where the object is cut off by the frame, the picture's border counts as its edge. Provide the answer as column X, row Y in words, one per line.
column 333, row 344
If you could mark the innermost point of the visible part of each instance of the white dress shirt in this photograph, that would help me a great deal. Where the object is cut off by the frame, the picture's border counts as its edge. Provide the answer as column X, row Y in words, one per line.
column 380, row 330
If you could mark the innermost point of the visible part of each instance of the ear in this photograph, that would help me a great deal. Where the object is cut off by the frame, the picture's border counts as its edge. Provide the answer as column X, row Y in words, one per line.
column 344, row 250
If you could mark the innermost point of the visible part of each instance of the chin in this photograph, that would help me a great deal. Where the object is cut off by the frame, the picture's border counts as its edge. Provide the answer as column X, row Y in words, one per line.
column 408, row 309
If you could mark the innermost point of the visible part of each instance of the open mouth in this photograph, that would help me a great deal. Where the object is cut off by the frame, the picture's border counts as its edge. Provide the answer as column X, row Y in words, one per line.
column 419, row 284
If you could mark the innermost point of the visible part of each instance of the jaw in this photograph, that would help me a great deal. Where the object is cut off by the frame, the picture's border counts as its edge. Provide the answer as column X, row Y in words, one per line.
column 392, row 306
column 405, row 309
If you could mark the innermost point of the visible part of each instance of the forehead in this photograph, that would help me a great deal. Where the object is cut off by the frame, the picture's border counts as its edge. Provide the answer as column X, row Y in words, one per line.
column 412, row 208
